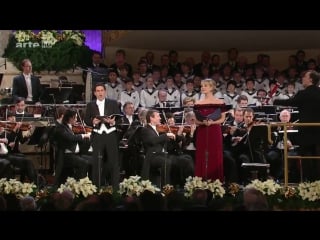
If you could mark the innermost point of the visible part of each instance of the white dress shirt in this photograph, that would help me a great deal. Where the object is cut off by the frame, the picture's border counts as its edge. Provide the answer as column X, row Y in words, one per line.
column 29, row 86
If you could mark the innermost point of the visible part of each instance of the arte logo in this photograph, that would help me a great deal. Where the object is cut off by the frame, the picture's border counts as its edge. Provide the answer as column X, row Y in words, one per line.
column 34, row 45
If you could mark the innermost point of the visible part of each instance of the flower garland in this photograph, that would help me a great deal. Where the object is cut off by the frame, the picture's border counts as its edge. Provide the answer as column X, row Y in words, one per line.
column 305, row 196
column 50, row 37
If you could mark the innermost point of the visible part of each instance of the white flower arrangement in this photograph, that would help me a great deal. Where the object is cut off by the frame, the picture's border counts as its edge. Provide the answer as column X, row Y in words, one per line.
column 50, row 37
column 269, row 187
column 77, row 36
column 135, row 186
column 82, row 187
column 22, row 36
column 309, row 191
column 15, row 187
column 193, row 183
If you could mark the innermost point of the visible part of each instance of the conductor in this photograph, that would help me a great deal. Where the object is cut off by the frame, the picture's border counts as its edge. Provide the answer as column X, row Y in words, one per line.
column 309, row 112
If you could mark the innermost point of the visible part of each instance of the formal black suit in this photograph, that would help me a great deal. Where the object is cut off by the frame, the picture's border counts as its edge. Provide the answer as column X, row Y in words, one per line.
column 104, row 145
column 66, row 139
column 155, row 157
column 17, row 159
column 19, row 88
column 307, row 101
column 129, row 156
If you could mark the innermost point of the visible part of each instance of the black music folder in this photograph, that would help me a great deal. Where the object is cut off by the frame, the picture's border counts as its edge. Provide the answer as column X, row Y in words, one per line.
column 110, row 116
column 213, row 116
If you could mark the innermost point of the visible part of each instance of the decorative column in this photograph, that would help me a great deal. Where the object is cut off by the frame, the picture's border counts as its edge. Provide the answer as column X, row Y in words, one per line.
column 4, row 39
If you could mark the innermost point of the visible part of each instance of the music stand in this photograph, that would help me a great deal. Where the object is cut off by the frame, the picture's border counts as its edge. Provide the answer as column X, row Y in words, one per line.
column 255, row 171
column 136, row 148
column 76, row 93
column 164, row 110
column 258, row 137
column 40, row 138
column 56, row 95
column 99, row 75
column 266, row 110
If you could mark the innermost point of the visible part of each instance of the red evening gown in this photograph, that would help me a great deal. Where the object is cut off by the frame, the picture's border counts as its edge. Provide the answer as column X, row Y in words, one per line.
column 209, row 145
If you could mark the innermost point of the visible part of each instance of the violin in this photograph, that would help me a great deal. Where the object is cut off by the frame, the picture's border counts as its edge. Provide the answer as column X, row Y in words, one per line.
column 78, row 128
column 226, row 129
column 11, row 125
column 162, row 128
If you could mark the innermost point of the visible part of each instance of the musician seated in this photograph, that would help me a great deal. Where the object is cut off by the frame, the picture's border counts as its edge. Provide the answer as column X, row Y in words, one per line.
column 13, row 137
column 276, row 157
column 154, row 146
column 68, row 149
column 128, row 154
column 261, row 97
column 182, row 164
column 20, row 108
column 163, row 101
column 231, row 166
column 243, row 149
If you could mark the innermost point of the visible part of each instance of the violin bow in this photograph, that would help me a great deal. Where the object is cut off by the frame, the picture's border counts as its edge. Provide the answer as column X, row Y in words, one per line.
column 81, row 121
column 165, row 119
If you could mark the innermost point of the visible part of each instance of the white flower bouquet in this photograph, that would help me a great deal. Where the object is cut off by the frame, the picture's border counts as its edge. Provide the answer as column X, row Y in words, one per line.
column 83, row 187
column 269, row 187
column 309, row 191
column 15, row 187
column 135, row 186
column 193, row 183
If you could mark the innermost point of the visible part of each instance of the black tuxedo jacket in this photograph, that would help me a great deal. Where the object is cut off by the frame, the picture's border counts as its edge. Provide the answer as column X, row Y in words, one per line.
column 19, row 88
column 110, row 107
column 66, row 139
column 151, row 141
column 307, row 101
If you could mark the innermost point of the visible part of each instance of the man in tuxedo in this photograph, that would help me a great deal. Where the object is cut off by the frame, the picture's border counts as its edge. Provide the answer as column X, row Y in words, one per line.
column 68, row 149
column 20, row 109
column 13, row 139
column 309, row 112
column 128, row 127
column 105, row 155
column 163, row 102
column 26, row 85
column 154, row 145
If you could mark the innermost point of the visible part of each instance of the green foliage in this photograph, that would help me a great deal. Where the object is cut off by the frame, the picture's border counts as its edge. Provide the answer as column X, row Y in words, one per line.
column 62, row 56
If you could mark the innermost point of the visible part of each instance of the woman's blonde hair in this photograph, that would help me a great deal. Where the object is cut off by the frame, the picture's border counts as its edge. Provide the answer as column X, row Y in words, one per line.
column 210, row 82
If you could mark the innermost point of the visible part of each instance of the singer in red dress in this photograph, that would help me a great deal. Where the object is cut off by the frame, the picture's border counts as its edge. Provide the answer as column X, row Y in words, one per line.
column 210, row 113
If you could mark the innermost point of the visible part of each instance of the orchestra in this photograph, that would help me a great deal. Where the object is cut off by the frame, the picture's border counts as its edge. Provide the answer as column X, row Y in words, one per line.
column 235, row 130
